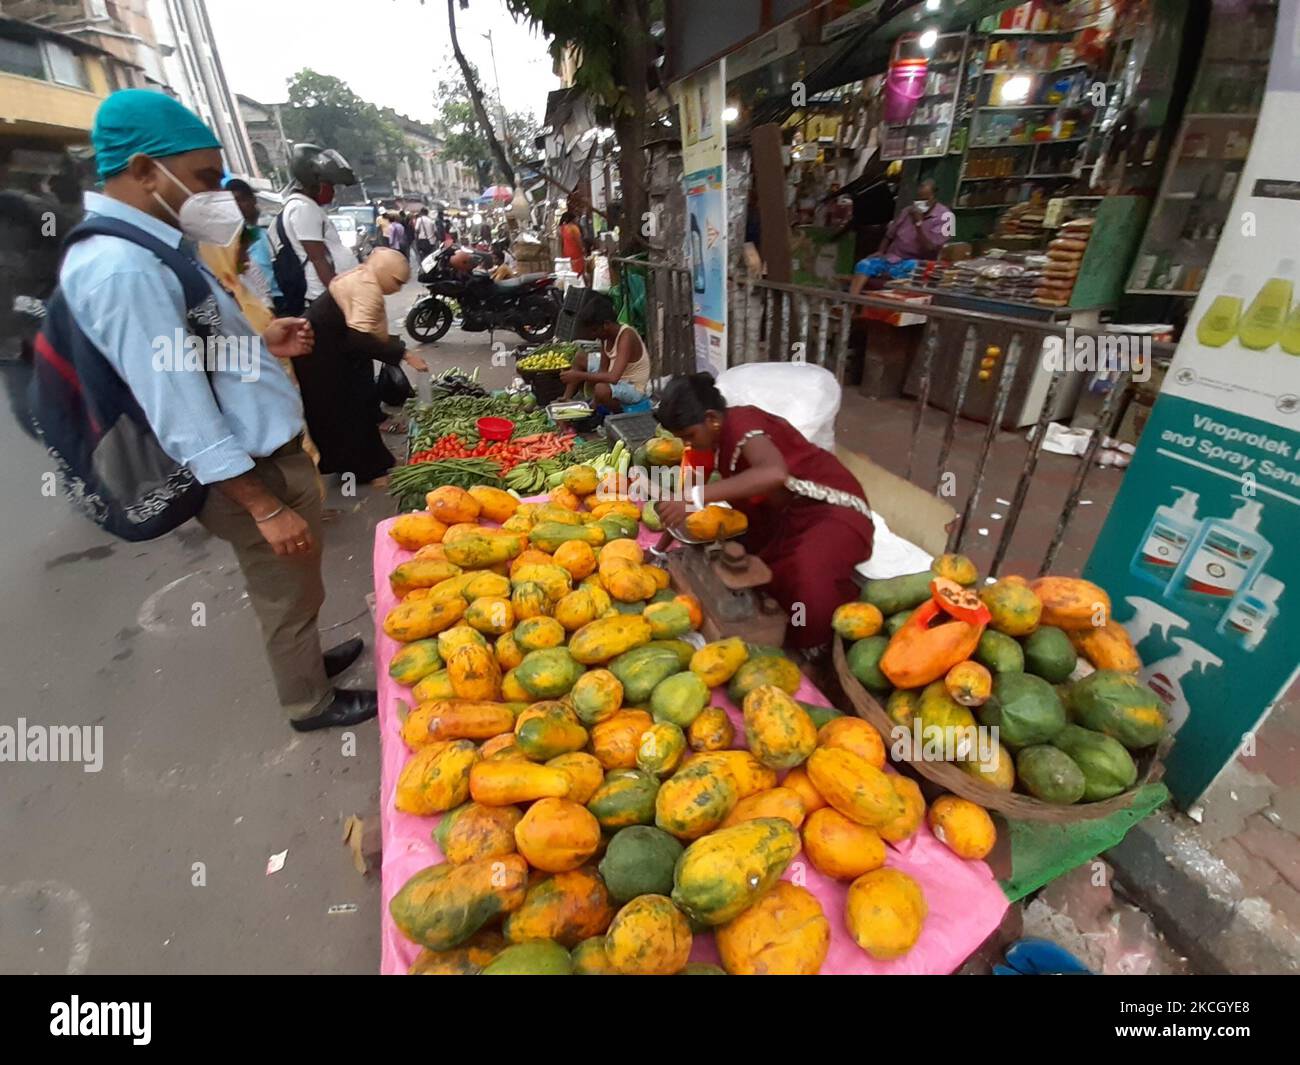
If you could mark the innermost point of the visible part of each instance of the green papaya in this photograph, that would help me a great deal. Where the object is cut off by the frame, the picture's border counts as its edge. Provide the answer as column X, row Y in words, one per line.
column 1107, row 767
column 898, row 593
column 896, row 621
column 650, row 517
column 1050, row 774
column 683, row 650
column 625, row 797
column 864, row 662
column 1025, row 709
column 1000, row 653
column 679, row 699
column 1050, row 654
column 765, row 669
column 641, row 669
column 1120, row 706
column 537, row 957
column 820, row 714
column 639, row 861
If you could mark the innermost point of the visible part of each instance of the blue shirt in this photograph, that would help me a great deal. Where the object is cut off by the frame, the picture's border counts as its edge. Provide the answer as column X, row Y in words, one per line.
column 259, row 254
column 132, row 308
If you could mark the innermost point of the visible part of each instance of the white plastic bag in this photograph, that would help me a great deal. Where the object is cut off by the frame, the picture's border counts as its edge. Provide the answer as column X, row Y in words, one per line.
column 805, row 395
column 600, row 279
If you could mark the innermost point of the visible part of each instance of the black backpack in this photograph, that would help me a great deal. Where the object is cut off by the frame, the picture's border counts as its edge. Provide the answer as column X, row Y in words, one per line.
column 290, row 275
column 110, row 462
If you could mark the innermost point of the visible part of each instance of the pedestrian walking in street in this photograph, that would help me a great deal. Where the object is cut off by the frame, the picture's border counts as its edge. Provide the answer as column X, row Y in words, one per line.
column 425, row 234
column 350, row 322
column 396, row 234
column 130, row 289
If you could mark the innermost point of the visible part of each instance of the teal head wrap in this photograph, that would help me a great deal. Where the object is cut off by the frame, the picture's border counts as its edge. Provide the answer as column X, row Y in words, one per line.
column 132, row 121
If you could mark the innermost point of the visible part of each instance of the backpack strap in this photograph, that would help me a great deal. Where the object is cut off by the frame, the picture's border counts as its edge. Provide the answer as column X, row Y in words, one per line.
column 187, row 271
column 201, row 312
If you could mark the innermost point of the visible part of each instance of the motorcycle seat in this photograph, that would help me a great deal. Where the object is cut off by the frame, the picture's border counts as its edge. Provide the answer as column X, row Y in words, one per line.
column 523, row 281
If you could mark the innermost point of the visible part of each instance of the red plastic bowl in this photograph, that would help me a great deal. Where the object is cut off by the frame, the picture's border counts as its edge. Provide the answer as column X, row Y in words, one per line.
column 495, row 428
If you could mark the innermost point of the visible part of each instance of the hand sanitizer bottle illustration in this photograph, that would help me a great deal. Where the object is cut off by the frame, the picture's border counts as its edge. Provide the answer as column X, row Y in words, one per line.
column 1166, row 678
column 1219, row 324
column 1147, row 617
column 1166, row 539
column 1251, row 611
column 1262, row 323
column 1224, row 557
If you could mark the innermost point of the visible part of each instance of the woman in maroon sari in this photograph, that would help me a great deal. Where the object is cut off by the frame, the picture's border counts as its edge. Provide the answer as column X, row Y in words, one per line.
column 808, row 517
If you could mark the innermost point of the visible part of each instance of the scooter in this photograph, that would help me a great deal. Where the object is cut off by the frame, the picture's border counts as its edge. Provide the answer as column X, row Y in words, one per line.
column 529, row 304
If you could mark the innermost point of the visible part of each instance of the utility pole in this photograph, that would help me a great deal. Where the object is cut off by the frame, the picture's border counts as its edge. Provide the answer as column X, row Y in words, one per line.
column 501, row 107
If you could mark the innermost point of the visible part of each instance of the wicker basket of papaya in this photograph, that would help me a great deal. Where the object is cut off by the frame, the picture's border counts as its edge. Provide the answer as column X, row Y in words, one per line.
column 1023, row 697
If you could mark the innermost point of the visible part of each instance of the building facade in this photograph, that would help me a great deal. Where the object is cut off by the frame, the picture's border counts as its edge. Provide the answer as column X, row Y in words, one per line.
column 193, row 73
column 165, row 45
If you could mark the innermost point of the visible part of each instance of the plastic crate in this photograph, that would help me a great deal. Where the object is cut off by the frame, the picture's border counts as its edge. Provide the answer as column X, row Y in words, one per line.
column 633, row 429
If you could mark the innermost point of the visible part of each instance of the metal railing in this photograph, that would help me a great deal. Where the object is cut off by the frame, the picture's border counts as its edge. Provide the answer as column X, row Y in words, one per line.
column 774, row 322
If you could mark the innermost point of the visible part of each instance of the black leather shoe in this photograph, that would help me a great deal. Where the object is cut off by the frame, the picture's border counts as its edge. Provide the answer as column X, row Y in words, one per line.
column 337, row 659
column 351, row 706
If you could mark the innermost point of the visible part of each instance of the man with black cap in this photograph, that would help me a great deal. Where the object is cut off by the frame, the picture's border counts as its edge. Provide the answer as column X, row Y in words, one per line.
column 237, row 431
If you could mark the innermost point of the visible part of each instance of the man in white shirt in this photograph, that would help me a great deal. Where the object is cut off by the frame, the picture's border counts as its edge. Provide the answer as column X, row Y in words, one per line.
column 315, row 242
column 425, row 234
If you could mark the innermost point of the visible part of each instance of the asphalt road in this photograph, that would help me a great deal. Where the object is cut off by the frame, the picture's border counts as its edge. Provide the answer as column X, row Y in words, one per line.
column 157, row 862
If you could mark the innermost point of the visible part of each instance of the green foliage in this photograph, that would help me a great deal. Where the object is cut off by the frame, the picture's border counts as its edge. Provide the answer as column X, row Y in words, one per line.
column 325, row 111
column 463, row 140
column 591, row 26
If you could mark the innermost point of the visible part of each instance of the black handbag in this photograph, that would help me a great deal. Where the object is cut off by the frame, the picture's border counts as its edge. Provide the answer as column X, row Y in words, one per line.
column 393, row 387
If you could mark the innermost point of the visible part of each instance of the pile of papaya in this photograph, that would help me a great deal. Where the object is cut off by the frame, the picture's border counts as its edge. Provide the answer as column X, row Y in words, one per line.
column 595, row 807
column 1043, row 661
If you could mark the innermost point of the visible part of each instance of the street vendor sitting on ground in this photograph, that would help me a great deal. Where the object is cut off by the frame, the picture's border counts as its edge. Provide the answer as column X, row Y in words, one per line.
column 619, row 376
column 808, row 517
column 919, row 232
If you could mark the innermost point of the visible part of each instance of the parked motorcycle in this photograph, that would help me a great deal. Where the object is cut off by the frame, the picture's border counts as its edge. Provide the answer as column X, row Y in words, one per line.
column 529, row 305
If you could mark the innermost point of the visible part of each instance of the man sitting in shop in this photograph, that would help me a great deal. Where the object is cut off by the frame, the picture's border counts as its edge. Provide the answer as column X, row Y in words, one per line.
column 919, row 232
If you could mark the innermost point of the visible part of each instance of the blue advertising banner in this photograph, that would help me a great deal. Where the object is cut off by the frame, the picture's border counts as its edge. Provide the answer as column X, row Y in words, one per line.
column 1196, row 552
column 704, row 164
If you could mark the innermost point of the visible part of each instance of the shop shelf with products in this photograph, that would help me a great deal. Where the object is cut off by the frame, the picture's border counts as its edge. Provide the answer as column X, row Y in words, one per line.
column 922, row 87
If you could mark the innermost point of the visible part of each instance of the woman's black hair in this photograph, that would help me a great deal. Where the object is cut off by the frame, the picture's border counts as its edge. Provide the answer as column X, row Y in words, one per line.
column 687, row 400
column 597, row 309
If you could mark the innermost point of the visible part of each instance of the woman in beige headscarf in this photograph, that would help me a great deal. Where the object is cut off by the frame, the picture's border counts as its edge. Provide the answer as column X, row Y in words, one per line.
column 337, row 379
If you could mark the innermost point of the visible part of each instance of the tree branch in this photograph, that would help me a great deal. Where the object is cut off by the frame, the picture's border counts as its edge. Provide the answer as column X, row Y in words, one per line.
column 476, row 98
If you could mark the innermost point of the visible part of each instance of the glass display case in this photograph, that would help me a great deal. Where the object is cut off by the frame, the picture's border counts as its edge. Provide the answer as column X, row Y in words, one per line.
column 1209, row 154
column 921, row 95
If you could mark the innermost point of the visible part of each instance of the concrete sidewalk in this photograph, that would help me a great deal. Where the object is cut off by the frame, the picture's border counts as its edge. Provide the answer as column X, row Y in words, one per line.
column 157, row 863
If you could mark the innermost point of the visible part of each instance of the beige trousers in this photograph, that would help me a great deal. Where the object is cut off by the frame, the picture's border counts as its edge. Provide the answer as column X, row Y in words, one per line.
column 286, row 590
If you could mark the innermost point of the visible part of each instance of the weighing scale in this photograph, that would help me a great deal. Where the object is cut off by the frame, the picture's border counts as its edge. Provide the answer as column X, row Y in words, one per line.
column 728, row 582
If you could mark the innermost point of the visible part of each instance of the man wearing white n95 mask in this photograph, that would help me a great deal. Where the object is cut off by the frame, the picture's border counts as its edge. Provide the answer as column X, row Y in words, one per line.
column 161, row 170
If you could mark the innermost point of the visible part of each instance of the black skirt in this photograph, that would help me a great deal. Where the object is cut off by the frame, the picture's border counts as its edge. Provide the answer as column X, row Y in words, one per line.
column 338, row 393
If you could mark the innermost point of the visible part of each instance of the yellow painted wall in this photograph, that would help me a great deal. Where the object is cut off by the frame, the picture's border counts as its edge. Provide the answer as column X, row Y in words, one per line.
column 57, row 107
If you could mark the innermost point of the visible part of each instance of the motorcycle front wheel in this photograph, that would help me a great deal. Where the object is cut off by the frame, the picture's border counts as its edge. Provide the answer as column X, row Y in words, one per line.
column 428, row 321
column 538, row 317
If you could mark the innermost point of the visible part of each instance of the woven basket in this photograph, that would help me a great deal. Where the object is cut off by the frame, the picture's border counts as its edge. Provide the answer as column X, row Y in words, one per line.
column 1008, row 803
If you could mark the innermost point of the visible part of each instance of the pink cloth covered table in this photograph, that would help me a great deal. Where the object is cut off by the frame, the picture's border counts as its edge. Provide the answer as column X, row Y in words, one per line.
column 965, row 902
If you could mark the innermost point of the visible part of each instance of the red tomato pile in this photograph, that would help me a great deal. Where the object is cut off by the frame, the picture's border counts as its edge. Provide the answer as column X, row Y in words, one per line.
column 508, row 453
